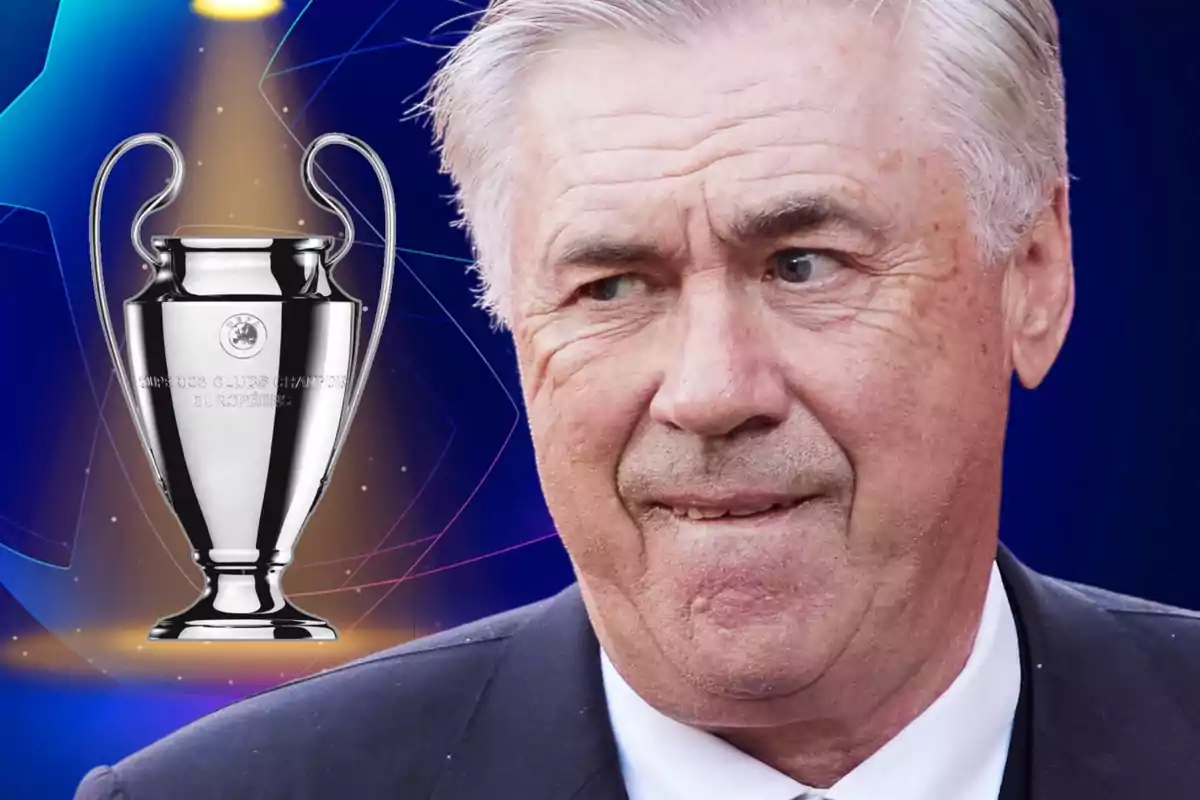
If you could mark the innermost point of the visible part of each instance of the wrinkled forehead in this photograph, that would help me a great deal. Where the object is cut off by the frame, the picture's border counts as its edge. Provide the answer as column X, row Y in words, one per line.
column 619, row 121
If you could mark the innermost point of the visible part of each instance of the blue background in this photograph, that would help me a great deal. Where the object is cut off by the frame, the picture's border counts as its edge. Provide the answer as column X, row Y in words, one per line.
column 1100, row 483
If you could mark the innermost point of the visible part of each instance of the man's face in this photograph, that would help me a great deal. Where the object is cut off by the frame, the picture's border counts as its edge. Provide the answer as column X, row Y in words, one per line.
column 765, row 374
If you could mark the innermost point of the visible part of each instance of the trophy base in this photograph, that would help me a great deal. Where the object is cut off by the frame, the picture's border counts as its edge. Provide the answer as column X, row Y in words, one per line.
column 202, row 625
column 243, row 608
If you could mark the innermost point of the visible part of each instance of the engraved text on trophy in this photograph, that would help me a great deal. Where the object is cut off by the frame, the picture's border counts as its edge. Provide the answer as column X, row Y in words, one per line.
column 243, row 391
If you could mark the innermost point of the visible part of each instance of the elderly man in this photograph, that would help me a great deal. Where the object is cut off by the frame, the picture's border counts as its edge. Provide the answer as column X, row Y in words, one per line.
column 770, row 268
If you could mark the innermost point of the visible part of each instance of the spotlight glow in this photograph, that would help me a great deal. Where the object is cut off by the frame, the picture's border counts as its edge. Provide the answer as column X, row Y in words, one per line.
column 237, row 9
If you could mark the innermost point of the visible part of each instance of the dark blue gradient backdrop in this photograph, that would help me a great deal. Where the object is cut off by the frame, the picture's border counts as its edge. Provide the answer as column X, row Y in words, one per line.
column 1100, row 478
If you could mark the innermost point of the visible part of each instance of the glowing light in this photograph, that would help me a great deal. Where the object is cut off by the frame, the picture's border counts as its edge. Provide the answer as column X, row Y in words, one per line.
column 125, row 652
column 237, row 9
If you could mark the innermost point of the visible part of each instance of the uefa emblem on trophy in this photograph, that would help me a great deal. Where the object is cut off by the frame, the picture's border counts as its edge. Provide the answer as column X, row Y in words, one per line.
column 242, row 385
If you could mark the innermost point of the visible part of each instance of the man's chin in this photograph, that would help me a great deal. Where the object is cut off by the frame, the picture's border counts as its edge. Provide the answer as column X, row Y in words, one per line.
column 747, row 686
column 760, row 660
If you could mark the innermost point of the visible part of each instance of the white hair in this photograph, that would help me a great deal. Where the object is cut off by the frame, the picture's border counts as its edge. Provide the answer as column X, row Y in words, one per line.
column 993, row 67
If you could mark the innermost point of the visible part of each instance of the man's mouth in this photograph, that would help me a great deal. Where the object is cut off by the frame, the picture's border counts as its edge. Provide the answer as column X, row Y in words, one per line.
column 729, row 508
column 693, row 512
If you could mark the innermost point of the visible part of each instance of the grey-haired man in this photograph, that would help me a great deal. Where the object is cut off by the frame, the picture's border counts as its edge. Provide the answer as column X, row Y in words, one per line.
column 769, row 268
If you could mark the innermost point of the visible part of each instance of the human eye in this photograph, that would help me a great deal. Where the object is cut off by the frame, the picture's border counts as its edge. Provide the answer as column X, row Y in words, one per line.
column 611, row 288
column 800, row 266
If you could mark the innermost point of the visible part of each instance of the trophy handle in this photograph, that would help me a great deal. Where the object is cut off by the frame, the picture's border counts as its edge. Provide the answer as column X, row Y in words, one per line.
column 323, row 199
column 151, row 206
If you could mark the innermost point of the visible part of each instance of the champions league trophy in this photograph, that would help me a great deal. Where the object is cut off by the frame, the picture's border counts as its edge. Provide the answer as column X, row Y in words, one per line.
column 242, row 386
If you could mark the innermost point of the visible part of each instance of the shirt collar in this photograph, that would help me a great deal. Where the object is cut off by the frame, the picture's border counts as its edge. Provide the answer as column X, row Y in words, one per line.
column 956, row 748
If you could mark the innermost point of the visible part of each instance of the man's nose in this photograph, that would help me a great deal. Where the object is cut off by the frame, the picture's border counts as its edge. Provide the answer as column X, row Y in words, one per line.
column 721, row 374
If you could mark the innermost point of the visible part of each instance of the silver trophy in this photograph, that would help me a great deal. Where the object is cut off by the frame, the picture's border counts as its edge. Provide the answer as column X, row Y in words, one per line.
column 242, row 385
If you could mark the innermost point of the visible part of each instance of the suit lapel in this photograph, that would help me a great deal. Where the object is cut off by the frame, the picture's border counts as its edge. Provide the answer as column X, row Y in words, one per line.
column 1100, row 723
column 540, row 730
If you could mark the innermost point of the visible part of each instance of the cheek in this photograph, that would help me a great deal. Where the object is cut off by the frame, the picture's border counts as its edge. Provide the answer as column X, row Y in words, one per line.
column 581, row 417
column 915, row 405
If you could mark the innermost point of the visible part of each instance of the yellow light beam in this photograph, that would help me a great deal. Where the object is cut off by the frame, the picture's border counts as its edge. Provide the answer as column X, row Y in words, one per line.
column 237, row 9
column 243, row 170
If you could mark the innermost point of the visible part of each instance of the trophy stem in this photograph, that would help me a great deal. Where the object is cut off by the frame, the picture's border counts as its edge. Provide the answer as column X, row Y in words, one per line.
column 242, row 603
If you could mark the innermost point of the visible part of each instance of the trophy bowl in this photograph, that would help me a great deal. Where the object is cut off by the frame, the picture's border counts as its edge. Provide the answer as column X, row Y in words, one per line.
column 240, row 375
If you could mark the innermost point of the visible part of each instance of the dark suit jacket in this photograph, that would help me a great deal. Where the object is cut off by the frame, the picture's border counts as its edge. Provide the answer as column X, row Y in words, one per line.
column 512, row 707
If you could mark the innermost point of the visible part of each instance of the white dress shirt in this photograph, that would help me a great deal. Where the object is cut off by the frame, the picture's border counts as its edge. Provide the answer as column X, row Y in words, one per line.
column 955, row 750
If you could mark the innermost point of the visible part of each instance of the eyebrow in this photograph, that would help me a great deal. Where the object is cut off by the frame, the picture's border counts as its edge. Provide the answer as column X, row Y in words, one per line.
column 799, row 214
column 593, row 250
column 792, row 215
